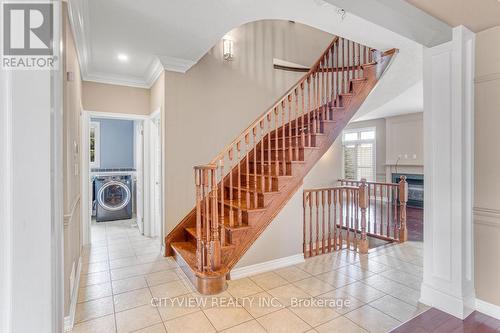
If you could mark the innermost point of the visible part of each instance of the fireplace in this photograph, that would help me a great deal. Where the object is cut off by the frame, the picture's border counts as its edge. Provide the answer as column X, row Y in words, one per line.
column 415, row 188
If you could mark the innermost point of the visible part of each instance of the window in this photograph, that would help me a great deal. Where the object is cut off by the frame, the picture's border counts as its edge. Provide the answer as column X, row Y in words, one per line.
column 359, row 154
column 94, row 144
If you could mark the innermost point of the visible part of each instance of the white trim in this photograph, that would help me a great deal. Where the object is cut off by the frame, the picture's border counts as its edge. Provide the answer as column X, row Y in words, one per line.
column 69, row 215
column 361, row 141
column 266, row 266
column 69, row 320
column 85, row 206
column 113, row 115
column 178, row 65
column 489, row 309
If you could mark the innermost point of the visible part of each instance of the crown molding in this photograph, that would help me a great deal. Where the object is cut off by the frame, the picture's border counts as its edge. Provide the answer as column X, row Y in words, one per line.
column 154, row 71
column 174, row 64
column 78, row 13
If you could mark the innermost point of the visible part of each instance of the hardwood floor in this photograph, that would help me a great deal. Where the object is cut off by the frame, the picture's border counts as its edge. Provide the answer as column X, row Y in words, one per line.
column 436, row 321
column 415, row 224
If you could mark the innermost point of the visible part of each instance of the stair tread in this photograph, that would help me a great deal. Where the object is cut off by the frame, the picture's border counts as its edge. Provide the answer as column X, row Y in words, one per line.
column 241, row 205
column 260, row 175
column 187, row 250
column 192, row 232
column 253, row 190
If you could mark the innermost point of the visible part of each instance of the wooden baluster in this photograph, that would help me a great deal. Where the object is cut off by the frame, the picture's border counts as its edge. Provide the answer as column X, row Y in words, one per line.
column 388, row 198
column 221, row 215
column 316, row 197
column 310, row 224
column 332, row 90
column 338, row 90
column 330, row 220
column 359, row 61
column 322, row 92
column 238, row 160
column 313, row 118
column 247, row 171
column 304, row 206
column 199, row 259
column 403, row 199
column 276, row 145
column 297, row 127
column 256, row 165
column 215, row 246
column 363, row 203
column 206, row 222
column 309, row 128
column 269, row 151
column 318, row 102
column 262, row 165
column 395, row 211
column 323, row 223
column 303, row 113
column 283, row 137
column 342, row 215
column 343, row 67
column 375, row 209
column 335, row 231
column 348, row 220
column 231, row 187
column 348, row 64
column 327, row 92
column 290, row 153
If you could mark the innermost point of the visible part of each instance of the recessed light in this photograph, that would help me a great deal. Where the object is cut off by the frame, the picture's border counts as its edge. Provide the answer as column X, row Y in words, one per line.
column 122, row 57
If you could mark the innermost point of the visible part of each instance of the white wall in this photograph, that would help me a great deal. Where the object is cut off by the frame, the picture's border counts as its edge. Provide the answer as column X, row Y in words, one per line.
column 487, row 160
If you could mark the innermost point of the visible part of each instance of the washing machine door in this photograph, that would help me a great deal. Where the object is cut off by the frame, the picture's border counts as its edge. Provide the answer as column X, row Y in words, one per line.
column 114, row 195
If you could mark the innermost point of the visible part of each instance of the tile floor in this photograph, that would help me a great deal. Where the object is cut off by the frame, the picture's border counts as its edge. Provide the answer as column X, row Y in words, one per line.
column 127, row 286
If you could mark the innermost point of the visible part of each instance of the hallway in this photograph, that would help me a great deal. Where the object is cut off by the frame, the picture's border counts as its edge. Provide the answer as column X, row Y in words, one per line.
column 124, row 274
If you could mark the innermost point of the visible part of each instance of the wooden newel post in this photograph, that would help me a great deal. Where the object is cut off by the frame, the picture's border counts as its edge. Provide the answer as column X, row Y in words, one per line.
column 215, row 246
column 363, row 204
column 403, row 199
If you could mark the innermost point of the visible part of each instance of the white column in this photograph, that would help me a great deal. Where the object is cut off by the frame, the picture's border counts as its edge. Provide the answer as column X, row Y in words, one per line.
column 448, row 282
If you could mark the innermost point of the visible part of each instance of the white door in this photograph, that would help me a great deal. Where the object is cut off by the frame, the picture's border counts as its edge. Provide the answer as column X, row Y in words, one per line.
column 139, row 166
column 156, row 177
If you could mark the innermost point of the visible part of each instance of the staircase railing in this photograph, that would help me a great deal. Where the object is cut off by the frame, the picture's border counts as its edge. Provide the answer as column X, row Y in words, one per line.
column 263, row 150
column 345, row 216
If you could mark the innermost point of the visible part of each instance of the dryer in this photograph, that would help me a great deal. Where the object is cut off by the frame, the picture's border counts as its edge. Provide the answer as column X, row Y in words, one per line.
column 113, row 197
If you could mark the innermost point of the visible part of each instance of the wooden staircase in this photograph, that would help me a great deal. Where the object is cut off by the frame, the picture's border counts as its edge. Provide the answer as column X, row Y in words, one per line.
column 241, row 191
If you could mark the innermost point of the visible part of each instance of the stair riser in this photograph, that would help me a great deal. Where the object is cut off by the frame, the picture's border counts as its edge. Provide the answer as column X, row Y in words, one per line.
column 261, row 199
column 294, row 142
column 285, row 155
column 247, row 217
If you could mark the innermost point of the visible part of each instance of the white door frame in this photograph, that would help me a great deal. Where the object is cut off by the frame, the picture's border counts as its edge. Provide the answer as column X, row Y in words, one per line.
column 86, row 207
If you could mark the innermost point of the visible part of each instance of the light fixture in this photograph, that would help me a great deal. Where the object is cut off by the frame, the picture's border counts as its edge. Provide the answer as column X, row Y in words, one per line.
column 122, row 57
column 227, row 48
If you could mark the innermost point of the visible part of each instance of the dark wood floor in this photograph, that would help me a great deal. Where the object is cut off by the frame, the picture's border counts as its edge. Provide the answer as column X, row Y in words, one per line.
column 436, row 321
column 415, row 223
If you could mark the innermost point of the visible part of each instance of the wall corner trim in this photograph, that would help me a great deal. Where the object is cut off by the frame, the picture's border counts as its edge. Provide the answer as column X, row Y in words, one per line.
column 489, row 309
column 69, row 320
column 266, row 266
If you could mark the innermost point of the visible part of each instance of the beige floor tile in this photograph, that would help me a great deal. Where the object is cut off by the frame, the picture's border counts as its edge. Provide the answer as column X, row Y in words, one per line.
column 95, row 267
column 268, row 280
column 178, row 306
column 242, row 287
column 355, row 272
column 372, row 266
column 161, row 277
column 132, row 299
column 104, row 324
column 158, row 328
column 126, row 272
column 287, row 294
column 93, row 309
column 292, row 274
column 283, row 321
column 137, row 318
column 208, row 301
column 91, row 258
column 133, row 283
column 194, row 323
column 261, row 304
column 252, row 326
column 94, row 278
column 340, row 325
column 225, row 317
column 124, row 262
column 121, row 254
column 170, row 289
column 362, row 291
column 335, row 278
column 94, row 291
column 314, row 286
column 372, row 319
column 380, row 282
column 343, row 301
column 402, row 277
column 314, row 316
column 395, row 308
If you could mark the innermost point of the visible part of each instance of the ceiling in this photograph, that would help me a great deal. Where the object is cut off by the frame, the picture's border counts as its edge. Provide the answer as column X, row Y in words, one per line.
column 477, row 15
column 175, row 34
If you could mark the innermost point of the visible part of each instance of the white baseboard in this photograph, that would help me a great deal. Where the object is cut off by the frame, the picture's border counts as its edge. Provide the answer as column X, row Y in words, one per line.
column 489, row 309
column 266, row 266
column 69, row 320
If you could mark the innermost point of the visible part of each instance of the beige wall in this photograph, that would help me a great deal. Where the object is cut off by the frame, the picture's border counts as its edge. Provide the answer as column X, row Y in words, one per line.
column 487, row 161
column 113, row 98
column 206, row 108
column 71, row 159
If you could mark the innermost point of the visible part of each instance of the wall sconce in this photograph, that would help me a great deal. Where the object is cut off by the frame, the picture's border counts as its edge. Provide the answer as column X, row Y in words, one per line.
column 227, row 48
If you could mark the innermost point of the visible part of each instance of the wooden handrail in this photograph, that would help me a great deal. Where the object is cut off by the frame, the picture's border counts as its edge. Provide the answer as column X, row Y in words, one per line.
column 271, row 109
